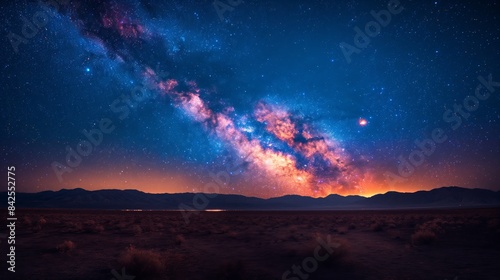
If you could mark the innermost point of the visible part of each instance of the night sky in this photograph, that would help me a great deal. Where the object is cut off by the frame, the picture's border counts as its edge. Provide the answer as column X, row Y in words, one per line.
column 283, row 97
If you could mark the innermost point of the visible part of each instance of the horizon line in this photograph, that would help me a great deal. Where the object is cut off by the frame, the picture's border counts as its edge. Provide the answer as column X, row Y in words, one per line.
column 112, row 189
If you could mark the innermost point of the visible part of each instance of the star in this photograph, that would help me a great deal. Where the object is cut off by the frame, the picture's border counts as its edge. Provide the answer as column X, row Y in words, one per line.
column 362, row 122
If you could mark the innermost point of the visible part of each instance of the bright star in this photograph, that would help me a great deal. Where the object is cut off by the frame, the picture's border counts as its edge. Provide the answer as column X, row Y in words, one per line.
column 362, row 122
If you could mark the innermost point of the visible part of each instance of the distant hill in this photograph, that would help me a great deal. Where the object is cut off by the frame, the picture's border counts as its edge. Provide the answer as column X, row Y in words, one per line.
column 446, row 197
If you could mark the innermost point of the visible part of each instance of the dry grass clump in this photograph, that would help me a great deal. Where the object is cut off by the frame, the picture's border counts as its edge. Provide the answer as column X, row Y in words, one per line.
column 39, row 225
column 42, row 221
column 377, row 226
column 423, row 237
column 144, row 264
column 66, row 247
column 427, row 233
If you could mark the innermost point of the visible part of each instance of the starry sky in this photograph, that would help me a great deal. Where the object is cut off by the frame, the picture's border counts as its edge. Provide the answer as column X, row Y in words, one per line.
column 265, row 98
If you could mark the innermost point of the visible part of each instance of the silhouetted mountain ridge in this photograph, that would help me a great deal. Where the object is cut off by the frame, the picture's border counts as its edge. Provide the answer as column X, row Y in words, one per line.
column 445, row 197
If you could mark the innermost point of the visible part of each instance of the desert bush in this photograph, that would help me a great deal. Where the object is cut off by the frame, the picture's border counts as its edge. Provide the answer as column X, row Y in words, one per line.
column 66, row 247
column 423, row 237
column 432, row 226
column 39, row 225
column 144, row 264
column 377, row 226
column 42, row 221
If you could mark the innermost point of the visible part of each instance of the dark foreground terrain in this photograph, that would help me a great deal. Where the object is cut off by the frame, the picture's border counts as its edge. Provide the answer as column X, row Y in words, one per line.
column 409, row 244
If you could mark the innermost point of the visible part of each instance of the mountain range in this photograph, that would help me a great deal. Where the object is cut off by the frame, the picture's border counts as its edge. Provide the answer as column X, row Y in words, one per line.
column 445, row 197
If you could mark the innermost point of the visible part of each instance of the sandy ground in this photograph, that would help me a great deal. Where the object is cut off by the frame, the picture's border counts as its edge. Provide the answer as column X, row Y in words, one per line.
column 416, row 244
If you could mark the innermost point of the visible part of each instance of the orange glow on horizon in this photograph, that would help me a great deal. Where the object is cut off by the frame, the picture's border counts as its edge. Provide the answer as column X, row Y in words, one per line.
column 157, row 181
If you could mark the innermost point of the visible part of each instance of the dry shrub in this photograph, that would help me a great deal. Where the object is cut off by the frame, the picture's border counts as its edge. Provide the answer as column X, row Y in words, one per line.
column 434, row 226
column 144, row 264
column 423, row 237
column 39, row 225
column 377, row 226
column 427, row 233
column 42, row 221
column 66, row 247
